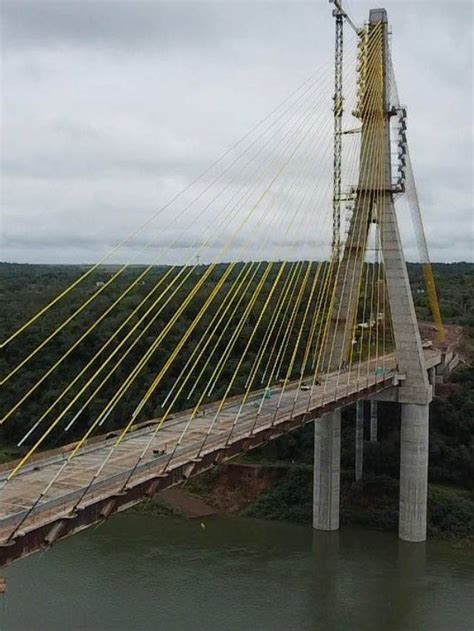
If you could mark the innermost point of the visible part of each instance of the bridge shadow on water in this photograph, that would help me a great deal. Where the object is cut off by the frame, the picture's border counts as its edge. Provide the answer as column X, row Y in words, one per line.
column 143, row 573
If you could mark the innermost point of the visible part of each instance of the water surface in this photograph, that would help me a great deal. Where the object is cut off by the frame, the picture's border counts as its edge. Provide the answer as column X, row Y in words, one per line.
column 140, row 573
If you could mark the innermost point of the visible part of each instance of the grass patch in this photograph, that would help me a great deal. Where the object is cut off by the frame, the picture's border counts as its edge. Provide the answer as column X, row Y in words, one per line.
column 156, row 508
column 289, row 500
column 372, row 503
column 450, row 512
column 7, row 454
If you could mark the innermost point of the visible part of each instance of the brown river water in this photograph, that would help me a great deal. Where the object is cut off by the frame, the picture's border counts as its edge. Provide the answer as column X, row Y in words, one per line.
column 142, row 573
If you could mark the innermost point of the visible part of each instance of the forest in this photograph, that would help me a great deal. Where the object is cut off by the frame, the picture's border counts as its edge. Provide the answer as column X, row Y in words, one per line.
column 24, row 289
column 373, row 502
column 249, row 314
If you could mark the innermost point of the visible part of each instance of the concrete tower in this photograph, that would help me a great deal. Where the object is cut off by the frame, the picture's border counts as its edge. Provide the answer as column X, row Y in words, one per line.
column 374, row 203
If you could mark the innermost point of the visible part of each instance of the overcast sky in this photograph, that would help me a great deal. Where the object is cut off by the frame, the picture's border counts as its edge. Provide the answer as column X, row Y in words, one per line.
column 109, row 108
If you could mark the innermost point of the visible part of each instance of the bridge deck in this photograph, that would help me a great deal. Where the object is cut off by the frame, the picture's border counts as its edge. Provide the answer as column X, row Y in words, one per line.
column 20, row 493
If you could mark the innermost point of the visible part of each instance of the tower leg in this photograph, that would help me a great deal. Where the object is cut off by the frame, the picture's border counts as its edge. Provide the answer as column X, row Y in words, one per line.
column 413, row 471
column 373, row 421
column 327, row 468
column 359, row 440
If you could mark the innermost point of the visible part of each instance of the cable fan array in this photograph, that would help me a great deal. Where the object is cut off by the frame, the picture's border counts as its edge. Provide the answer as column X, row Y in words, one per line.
column 241, row 334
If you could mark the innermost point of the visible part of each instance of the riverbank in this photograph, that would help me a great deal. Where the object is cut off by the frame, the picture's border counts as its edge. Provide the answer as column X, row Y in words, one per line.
column 275, row 482
column 283, row 492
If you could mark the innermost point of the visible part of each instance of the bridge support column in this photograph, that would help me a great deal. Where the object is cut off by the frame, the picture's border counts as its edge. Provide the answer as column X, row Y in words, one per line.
column 327, row 468
column 359, row 440
column 413, row 471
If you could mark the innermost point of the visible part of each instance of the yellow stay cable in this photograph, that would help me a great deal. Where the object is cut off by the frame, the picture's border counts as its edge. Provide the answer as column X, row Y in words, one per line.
column 260, row 355
column 373, row 203
column 283, row 354
column 308, row 345
column 196, row 408
column 134, row 373
column 380, row 198
column 318, row 344
column 335, row 288
column 237, row 290
column 223, row 359
column 123, row 268
column 238, row 414
column 283, row 345
column 294, row 274
column 42, row 344
column 287, row 335
column 243, row 399
column 101, row 350
column 262, row 347
column 199, row 402
column 309, row 341
column 153, row 434
column 330, row 281
column 159, row 377
column 186, row 369
column 64, row 293
column 361, row 345
column 59, row 473
column 317, row 319
column 294, row 277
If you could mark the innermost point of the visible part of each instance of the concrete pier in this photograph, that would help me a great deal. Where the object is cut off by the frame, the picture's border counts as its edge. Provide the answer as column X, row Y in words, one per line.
column 373, row 421
column 413, row 471
column 359, row 440
column 327, row 469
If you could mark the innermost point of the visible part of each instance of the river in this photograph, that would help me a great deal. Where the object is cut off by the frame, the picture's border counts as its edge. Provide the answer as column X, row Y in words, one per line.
column 141, row 573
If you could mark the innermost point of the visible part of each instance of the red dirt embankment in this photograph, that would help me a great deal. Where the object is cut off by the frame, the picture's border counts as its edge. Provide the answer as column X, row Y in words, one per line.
column 453, row 333
column 228, row 488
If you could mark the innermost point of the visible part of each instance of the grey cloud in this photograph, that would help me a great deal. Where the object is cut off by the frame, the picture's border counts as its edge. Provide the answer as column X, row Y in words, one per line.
column 157, row 25
column 113, row 24
column 109, row 108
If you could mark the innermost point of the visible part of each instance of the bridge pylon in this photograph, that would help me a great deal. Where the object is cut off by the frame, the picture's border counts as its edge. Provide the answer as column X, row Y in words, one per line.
column 374, row 204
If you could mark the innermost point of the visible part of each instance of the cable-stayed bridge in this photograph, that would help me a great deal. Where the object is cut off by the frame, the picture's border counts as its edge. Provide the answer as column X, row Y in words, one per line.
column 172, row 455
column 302, row 305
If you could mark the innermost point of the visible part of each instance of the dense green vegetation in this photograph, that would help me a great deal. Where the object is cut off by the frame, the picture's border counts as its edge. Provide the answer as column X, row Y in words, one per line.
column 374, row 501
column 455, row 282
column 24, row 289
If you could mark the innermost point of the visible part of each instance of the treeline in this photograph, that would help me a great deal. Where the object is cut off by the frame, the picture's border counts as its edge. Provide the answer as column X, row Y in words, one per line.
column 451, row 458
column 147, row 309
column 138, row 303
column 373, row 502
column 455, row 284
